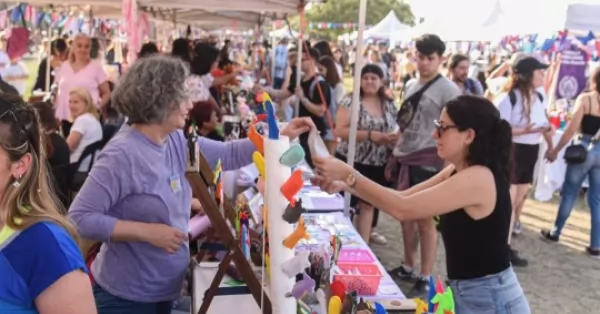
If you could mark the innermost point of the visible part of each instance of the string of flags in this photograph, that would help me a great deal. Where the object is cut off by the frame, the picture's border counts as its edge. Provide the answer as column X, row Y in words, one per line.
column 321, row 25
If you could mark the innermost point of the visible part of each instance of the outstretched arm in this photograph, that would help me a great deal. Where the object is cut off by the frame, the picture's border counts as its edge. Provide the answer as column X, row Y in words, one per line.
column 461, row 190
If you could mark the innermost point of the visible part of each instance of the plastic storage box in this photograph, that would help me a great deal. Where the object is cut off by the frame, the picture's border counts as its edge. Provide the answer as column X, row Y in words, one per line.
column 362, row 278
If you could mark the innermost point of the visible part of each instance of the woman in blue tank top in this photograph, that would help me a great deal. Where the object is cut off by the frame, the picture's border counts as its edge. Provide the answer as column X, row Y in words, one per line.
column 41, row 267
column 471, row 196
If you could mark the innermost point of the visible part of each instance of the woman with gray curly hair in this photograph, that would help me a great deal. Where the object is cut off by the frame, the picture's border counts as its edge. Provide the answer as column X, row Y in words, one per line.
column 137, row 201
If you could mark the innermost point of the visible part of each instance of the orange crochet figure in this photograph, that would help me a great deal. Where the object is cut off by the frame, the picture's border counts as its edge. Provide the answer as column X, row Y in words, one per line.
column 292, row 186
column 298, row 234
column 257, row 139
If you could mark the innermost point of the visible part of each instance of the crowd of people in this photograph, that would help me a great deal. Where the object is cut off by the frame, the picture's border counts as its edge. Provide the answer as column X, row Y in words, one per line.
column 105, row 162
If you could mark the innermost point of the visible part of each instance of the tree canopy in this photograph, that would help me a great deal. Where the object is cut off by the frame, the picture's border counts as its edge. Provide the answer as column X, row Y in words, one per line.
column 346, row 11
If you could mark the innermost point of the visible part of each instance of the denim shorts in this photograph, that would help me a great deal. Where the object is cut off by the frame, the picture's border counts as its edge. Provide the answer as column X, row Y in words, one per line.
column 500, row 293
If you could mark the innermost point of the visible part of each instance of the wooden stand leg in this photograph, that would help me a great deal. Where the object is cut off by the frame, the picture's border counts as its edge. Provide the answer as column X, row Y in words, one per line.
column 214, row 286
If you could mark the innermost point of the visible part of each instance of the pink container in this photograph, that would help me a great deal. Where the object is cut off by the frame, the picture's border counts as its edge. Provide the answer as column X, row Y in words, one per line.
column 366, row 282
column 356, row 256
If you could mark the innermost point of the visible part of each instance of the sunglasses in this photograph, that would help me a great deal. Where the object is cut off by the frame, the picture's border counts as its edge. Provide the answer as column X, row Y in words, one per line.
column 441, row 128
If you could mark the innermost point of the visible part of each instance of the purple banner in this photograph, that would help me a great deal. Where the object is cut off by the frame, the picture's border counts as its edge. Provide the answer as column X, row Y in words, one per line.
column 571, row 74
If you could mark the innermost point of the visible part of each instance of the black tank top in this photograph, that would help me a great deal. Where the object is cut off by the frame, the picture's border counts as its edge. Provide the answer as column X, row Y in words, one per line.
column 477, row 248
column 589, row 123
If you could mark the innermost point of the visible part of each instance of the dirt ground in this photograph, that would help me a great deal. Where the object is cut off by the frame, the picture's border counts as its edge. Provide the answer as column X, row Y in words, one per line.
column 560, row 277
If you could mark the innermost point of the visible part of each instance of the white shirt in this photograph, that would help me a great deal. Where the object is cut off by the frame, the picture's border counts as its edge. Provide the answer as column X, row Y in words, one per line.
column 199, row 87
column 91, row 132
column 4, row 59
column 16, row 75
column 514, row 116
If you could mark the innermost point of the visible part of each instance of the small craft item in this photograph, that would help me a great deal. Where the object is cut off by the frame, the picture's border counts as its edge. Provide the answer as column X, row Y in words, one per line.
column 364, row 307
column 322, row 300
column 259, row 162
column 304, row 308
column 260, row 117
column 268, row 263
column 292, row 213
column 335, row 305
column 316, row 145
column 193, row 150
column 292, row 156
column 302, row 287
column 421, row 307
column 300, row 233
column 350, row 303
column 257, row 139
column 338, row 289
column 296, row 265
column 292, row 186
column 444, row 302
column 431, row 308
column 245, row 240
column 379, row 308
column 271, row 117
column 336, row 245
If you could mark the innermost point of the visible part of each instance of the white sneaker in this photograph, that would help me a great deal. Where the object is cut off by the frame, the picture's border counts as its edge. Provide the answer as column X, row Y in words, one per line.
column 517, row 228
column 378, row 238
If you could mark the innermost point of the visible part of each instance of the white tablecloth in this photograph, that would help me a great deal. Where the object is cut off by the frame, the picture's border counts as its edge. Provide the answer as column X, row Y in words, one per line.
column 550, row 176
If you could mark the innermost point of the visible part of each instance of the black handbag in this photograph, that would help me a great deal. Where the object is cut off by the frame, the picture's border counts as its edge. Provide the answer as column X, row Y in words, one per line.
column 576, row 153
column 409, row 106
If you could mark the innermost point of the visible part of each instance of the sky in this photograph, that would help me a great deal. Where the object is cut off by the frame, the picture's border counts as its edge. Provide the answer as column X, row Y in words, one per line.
column 478, row 8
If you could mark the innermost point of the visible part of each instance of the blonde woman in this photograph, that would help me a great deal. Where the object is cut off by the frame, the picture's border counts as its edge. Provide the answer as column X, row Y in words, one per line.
column 80, row 71
column 41, row 267
column 86, row 128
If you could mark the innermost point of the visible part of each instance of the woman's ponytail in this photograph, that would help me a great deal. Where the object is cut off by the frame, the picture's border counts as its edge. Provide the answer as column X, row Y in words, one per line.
column 502, row 144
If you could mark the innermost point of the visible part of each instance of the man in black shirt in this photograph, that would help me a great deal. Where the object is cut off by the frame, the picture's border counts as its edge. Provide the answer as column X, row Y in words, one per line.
column 314, row 94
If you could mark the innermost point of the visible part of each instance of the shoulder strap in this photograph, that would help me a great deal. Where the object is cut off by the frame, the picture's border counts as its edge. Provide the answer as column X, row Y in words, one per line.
column 589, row 106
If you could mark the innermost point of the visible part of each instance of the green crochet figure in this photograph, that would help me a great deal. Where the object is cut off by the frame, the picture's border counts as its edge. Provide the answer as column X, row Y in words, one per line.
column 444, row 301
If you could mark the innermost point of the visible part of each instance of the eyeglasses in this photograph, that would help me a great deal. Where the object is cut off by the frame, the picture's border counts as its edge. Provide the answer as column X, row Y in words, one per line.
column 441, row 128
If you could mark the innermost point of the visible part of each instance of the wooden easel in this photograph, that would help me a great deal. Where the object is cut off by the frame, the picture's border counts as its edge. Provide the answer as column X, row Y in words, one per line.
column 200, row 177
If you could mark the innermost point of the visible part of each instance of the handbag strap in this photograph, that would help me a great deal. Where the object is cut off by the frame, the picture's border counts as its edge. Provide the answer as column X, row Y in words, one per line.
column 423, row 89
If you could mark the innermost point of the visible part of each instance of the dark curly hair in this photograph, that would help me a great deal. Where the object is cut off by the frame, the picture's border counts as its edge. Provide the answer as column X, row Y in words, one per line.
column 492, row 146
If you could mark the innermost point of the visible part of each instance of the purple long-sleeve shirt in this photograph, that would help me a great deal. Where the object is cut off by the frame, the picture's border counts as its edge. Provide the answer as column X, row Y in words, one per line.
column 135, row 179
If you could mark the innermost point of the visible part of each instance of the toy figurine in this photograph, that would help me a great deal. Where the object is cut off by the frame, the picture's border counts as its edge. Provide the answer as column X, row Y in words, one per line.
column 296, row 265
column 298, row 234
column 292, row 213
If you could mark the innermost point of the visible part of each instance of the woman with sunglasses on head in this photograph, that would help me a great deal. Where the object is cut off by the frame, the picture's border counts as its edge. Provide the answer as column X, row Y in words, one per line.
column 41, row 267
column 471, row 196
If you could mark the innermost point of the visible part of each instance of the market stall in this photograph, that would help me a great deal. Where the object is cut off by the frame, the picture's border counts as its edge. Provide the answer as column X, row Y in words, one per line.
column 321, row 227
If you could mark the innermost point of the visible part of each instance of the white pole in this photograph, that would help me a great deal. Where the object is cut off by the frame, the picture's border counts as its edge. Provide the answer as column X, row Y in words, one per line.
column 299, row 69
column 276, row 175
column 355, row 95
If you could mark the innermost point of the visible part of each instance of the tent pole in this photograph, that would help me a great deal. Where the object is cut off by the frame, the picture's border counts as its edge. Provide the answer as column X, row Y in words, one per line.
column 355, row 96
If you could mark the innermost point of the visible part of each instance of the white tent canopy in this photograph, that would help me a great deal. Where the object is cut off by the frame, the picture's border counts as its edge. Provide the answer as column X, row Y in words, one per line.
column 387, row 27
column 207, row 14
column 284, row 32
column 583, row 17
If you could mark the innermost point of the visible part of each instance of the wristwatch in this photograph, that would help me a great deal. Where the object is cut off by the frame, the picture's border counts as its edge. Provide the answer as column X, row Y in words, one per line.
column 352, row 178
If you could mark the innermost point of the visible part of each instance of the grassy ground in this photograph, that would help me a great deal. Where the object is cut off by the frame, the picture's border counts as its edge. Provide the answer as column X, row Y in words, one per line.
column 32, row 68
